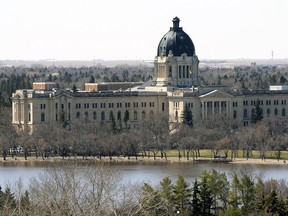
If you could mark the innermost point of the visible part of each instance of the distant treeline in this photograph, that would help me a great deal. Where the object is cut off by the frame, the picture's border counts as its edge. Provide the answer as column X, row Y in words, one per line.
column 10, row 83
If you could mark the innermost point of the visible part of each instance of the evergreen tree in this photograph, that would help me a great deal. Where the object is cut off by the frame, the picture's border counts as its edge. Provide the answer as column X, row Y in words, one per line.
column 112, row 121
column 74, row 88
column 260, row 201
column 8, row 198
column 187, row 117
column 247, row 193
column 25, row 202
column 234, row 194
column 182, row 195
column 49, row 78
column 92, row 79
column 166, row 189
column 272, row 203
column 1, row 198
column 219, row 188
column 257, row 113
column 206, row 198
column 126, row 118
column 283, row 79
column 196, row 202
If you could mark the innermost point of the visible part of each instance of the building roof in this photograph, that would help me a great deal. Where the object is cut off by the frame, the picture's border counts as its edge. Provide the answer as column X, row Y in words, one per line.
column 177, row 41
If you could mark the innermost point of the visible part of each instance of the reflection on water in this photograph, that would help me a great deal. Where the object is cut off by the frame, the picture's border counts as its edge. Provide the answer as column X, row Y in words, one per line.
column 146, row 172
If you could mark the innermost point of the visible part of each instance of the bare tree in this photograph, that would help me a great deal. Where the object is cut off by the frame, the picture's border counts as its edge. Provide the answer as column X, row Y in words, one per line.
column 8, row 134
column 158, row 131
column 73, row 189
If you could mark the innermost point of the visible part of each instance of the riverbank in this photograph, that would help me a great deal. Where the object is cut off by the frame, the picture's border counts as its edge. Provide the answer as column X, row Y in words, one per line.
column 10, row 160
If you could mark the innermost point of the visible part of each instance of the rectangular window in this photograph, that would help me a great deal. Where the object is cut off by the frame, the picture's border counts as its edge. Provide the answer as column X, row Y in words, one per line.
column 163, row 106
column 102, row 105
column 94, row 105
column 119, row 105
column 268, row 102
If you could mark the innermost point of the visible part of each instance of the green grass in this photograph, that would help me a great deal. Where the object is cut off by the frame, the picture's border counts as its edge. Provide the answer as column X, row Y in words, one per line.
column 207, row 153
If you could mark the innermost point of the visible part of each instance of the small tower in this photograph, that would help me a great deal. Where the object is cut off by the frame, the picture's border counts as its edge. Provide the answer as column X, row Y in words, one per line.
column 176, row 63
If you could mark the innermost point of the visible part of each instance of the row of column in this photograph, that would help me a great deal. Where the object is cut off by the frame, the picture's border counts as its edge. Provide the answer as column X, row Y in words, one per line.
column 215, row 107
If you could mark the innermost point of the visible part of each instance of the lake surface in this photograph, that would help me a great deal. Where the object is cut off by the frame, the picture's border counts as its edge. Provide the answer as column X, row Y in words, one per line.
column 152, row 173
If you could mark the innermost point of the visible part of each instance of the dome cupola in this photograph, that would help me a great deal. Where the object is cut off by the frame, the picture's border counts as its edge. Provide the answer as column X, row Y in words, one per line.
column 176, row 41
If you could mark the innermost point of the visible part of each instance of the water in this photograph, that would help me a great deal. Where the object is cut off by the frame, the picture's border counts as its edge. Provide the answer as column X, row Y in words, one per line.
column 152, row 173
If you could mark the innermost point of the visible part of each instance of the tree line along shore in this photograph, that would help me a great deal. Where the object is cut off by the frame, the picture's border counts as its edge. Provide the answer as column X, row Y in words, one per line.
column 206, row 156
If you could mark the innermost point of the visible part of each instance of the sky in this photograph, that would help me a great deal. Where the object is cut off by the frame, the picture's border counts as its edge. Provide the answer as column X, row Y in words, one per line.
column 132, row 29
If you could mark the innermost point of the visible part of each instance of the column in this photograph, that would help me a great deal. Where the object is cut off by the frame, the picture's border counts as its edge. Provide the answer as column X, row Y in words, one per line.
column 202, row 103
column 206, row 108
column 220, row 107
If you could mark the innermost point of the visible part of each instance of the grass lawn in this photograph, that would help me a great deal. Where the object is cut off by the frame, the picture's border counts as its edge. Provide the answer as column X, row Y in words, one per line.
column 207, row 153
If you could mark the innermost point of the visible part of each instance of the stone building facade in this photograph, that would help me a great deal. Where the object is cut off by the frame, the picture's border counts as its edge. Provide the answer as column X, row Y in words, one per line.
column 176, row 83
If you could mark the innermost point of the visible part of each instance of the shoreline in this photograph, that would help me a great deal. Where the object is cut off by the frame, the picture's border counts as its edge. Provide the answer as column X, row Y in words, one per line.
column 31, row 160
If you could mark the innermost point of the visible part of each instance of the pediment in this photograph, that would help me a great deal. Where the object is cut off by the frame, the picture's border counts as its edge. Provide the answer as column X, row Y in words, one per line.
column 18, row 96
column 216, row 94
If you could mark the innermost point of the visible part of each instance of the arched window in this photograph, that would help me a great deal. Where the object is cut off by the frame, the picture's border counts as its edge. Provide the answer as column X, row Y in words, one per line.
column 151, row 114
column 94, row 115
column 135, row 115
column 119, row 115
column 86, row 116
column 253, row 112
column 102, row 116
column 268, row 112
column 245, row 113
column 111, row 116
column 275, row 111
column 126, row 116
column 176, row 115
column 42, row 117
column 78, row 115
column 283, row 112
column 234, row 114
column 143, row 115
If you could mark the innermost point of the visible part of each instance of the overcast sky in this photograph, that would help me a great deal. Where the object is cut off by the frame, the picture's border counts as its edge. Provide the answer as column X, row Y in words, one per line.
column 132, row 29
